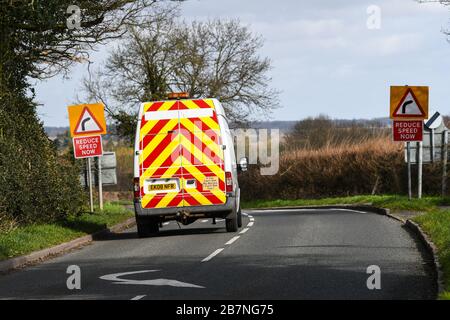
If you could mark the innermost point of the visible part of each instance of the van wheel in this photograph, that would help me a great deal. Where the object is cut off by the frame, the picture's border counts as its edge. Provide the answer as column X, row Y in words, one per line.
column 146, row 227
column 239, row 218
column 232, row 223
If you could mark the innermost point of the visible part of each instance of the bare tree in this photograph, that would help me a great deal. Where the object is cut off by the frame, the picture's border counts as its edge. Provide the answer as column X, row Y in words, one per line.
column 136, row 70
column 206, row 59
column 221, row 59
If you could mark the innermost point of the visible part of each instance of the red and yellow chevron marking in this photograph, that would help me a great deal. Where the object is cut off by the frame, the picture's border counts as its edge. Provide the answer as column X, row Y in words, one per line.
column 184, row 149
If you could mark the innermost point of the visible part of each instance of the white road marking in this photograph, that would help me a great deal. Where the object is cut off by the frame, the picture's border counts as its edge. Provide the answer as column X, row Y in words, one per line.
column 212, row 255
column 153, row 282
column 245, row 214
column 165, row 223
column 244, row 230
column 139, row 297
column 205, row 220
column 220, row 220
column 349, row 210
column 290, row 209
column 232, row 240
column 308, row 209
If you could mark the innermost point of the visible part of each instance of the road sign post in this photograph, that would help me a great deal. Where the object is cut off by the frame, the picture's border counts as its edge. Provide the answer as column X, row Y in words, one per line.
column 408, row 109
column 87, row 124
column 419, row 170
column 91, row 200
column 408, row 156
column 100, row 185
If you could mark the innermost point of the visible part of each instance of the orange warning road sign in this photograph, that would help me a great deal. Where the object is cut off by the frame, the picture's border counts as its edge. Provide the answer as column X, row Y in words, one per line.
column 409, row 102
column 87, row 119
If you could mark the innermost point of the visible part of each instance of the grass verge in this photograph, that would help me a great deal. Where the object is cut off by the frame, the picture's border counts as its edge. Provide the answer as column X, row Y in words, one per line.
column 386, row 201
column 435, row 222
column 26, row 239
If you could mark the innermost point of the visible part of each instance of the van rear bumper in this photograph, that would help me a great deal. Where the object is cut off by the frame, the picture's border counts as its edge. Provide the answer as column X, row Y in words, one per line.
column 207, row 211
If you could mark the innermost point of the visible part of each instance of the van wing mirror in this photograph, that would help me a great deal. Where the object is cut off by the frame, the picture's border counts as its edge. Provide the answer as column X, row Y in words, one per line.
column 243, row 164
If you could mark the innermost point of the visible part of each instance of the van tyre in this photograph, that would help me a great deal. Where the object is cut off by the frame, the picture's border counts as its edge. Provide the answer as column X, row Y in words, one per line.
column 232, row 223
column 239, row 218
column 146, row 227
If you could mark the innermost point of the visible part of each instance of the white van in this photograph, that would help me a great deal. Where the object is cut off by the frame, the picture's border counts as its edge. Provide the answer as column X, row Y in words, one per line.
column 184, row 164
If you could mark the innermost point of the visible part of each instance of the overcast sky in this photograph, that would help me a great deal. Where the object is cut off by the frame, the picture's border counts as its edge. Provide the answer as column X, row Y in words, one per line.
column 325, row 58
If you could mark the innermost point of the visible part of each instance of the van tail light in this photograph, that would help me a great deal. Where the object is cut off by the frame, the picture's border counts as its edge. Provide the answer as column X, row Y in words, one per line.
column 136, row 188
column 228, row 182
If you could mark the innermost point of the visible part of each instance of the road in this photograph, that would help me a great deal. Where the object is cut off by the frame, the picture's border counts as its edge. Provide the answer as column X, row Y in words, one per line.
column 284, row 254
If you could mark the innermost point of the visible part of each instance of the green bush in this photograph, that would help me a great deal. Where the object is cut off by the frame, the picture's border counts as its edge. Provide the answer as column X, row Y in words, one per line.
column 36, row 185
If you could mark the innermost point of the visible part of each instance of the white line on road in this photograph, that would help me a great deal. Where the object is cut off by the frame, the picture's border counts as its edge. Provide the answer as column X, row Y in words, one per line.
column 138, row 297
column 205, row 220
column 244, row 231
column 289, row 210
column 349, row 210
column 212, row 255
column 165, row 223
column 232, row 240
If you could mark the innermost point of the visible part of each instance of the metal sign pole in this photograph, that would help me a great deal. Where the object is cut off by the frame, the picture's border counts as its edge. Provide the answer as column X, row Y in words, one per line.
column 408, row 158
column 85, row 173
column 432, row 145
column 100, row 184
column 91, row 201
column 444, row 162
column 419, row 170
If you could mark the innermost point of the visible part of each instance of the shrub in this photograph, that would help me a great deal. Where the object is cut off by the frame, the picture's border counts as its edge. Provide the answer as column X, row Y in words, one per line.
column 35, row 184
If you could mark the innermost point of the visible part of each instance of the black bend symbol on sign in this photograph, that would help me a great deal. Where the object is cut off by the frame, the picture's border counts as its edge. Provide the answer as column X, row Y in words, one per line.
column 403, row 106
column 83, row 123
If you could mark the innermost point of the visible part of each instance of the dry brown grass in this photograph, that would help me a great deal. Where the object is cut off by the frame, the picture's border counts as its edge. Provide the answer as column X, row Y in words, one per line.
column 372, row 166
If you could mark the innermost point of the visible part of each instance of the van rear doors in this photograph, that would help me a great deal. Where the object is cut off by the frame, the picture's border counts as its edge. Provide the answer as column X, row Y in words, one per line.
column 180, row 155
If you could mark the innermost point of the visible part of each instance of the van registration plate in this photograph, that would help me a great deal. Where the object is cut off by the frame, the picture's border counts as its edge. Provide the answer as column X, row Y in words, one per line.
column 162, row 187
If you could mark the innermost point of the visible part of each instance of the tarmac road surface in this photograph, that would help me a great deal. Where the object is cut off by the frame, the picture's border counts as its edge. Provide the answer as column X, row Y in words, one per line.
column 283, row 254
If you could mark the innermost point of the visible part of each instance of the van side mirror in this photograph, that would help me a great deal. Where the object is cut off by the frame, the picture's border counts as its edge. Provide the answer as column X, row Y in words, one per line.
column 243, row 164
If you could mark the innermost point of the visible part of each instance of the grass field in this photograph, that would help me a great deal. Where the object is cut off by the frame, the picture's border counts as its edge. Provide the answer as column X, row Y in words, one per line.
column 26, row 239
column 435, row 222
